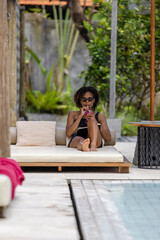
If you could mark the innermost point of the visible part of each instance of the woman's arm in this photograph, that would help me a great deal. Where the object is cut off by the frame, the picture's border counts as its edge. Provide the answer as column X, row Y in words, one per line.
column 104, row 127
column 73, row 124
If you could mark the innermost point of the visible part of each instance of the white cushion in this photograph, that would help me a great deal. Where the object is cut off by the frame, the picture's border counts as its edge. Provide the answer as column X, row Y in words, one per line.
column 35, row 133
column 64, row 154
column 5, row 190
column 61, row 136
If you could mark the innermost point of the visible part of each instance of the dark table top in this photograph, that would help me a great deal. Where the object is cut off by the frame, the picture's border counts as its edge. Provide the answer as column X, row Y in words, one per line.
column 146, row 124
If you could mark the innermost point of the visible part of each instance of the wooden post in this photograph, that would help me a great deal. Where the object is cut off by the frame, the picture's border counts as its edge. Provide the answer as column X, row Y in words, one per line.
column 12, row 61
column 22, row 64
column 4, row 83
column 152, row 82
column 113, row 60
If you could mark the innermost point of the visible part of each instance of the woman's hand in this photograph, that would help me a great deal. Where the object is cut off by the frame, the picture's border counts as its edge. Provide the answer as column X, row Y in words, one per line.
column 83, row 111
column 90, row 116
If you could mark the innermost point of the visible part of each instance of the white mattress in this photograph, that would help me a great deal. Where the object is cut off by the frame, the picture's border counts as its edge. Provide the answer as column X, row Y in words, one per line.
column 5, row 190
column 64, row 154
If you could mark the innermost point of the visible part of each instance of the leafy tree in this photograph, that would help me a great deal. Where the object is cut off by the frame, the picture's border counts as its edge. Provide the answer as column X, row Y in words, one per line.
column 133, row 53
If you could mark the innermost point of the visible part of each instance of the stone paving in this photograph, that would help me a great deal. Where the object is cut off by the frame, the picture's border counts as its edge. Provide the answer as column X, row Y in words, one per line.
column 42, row 208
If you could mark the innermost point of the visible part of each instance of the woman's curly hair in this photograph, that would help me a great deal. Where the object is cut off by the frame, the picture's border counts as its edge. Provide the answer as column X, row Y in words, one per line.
column 80, row 93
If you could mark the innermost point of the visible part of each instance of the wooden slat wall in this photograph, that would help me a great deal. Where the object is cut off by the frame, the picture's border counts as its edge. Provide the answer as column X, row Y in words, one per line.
column 12, row 73
column 4, row 83
column 22, row 84
column 18, row 56
column 14, row 58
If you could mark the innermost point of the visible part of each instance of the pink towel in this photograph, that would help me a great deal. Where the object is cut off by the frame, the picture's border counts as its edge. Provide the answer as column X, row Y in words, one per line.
column 12, row 169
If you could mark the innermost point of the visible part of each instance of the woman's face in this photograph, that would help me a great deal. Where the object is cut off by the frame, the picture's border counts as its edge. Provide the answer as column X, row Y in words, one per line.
column 87, row 100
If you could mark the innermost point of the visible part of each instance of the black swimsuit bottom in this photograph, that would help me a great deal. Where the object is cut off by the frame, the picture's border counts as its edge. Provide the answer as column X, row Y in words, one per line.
column 83, row 132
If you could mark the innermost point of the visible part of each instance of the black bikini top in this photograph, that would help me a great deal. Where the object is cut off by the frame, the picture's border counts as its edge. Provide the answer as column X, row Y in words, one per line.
column 83, row 121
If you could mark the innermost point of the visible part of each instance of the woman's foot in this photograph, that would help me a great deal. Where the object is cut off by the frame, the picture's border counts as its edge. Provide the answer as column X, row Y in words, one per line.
column 85, row 145
column 93, row 148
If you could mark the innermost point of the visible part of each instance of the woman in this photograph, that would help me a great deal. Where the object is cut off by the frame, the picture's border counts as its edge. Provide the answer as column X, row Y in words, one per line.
column 85, row 127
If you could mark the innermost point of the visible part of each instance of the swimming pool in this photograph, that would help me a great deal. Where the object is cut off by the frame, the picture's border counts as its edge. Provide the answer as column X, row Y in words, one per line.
column 138, row 204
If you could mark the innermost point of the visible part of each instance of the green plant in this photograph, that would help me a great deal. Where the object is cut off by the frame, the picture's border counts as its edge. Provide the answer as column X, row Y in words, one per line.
column 38, row 10
column 30, row 52
column 127, row 115
column 102, row 107
column 98, row 71
column 67, row 38
column 54, row 100
column 133, row 54
column 57, row 97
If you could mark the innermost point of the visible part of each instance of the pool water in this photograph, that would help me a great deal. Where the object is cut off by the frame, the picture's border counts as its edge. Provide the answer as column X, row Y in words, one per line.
column 138, row 204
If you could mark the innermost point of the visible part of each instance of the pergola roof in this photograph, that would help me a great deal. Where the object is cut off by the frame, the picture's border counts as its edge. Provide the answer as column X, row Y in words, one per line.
column 87, row 3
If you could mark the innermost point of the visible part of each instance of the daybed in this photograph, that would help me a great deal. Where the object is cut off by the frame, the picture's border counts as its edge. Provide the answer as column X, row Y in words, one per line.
column 28, row 152
column 5, row 193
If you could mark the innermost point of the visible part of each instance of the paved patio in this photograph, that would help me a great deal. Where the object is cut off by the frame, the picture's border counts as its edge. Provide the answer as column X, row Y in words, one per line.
column 42, row 208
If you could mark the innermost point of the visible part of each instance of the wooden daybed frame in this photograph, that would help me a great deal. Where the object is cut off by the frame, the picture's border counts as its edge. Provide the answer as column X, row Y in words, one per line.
column 123, row 167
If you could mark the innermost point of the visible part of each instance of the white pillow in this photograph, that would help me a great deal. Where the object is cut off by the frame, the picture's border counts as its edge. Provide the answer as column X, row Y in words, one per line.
column 36, row 133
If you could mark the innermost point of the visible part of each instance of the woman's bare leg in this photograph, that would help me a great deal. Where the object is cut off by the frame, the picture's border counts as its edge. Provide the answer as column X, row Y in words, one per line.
column 94, row 134
column 80, row 143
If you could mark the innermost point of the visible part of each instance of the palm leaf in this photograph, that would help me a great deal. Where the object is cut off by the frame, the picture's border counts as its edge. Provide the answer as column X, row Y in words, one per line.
column 38, row 61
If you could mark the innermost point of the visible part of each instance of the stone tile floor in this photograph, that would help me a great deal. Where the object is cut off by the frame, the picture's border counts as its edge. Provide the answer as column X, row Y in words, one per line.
column 42, row 208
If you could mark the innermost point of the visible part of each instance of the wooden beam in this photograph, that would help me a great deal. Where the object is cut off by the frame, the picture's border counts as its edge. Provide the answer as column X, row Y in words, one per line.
column 2, row 212
column 152, row 82
column 123, row 167
column 12, row 61
column 22, row 64
column 113, row 60
column 4, row 83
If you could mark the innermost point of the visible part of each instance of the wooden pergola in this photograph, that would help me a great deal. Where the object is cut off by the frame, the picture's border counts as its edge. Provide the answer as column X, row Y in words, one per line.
column 152, row 84
column 87, row 3
column 8, row 71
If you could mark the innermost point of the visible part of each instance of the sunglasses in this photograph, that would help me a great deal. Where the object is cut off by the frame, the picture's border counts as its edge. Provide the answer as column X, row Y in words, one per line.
column 90, row 99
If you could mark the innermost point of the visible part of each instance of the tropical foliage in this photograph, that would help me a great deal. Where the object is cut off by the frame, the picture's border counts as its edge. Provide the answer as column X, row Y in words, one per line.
column 133, row 54
column 67, row 38
column 57, row 97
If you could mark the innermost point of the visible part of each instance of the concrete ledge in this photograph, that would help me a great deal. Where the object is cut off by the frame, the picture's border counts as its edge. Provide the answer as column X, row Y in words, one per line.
column 115, row 124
